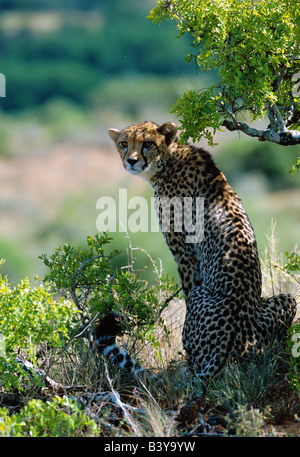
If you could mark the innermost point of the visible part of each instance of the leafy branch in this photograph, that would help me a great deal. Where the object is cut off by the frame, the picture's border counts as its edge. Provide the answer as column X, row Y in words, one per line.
column 254, row 46
column 88, row 278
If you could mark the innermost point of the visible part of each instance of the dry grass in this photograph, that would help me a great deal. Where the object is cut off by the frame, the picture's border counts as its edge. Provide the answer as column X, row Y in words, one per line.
column 275, row 279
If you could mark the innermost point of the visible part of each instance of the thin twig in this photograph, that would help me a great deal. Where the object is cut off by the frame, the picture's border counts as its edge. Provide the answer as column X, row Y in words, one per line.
column 118, row 402
column 56, row 387
column 82, row 332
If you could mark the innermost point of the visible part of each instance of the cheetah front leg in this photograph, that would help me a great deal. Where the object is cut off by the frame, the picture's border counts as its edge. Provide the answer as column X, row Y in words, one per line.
column 189, row 272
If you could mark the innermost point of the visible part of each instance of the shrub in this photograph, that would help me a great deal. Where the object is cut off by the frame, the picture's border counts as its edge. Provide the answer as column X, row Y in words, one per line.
column 29, row 317
column 88, row 278
column 294, row 351
column 248, row 422
column 57, row 418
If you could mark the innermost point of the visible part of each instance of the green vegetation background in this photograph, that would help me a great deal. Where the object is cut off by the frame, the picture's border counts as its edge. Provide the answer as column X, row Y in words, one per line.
column 73, row 71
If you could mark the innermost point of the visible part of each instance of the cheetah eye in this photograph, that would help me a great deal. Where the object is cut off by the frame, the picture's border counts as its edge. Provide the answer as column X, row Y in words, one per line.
column 147, row 144
column 124, row 144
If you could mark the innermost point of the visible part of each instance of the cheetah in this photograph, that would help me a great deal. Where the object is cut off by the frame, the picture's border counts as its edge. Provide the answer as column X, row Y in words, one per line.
column 220, row 272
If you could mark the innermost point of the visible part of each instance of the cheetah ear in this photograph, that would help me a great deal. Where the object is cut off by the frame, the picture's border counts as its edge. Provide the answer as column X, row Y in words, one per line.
column 168, row 129
column 114, row 133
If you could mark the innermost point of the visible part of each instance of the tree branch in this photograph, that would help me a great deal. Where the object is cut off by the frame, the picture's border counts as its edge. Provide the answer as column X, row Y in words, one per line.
column 294, row 118
column 284, row 138
column 277, row 123
column 56, row 387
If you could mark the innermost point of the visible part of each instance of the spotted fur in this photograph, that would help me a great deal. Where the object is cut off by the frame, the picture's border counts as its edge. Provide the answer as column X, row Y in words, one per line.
column 220, row 274
column 107, row 330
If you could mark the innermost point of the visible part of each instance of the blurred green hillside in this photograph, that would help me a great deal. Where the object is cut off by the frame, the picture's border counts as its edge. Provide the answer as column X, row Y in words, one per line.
column 74, row 70
column 73, row 53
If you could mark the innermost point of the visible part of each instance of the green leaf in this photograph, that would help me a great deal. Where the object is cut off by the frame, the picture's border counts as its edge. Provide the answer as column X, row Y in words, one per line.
column 253, row 46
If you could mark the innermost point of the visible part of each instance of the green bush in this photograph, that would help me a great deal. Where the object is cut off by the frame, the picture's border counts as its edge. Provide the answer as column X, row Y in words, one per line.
column 88, row 278
column 29, row 317
column 34, row 318
column 292, row 267
column 252, row 80
column 293, row 264
column 60, row 417
column 294, row 351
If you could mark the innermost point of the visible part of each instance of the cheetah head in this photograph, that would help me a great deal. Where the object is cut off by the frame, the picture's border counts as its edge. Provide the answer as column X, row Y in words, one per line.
column 144, row 147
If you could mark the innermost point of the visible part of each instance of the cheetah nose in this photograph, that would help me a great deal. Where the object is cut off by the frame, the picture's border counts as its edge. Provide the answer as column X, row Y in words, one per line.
column 132, row 162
